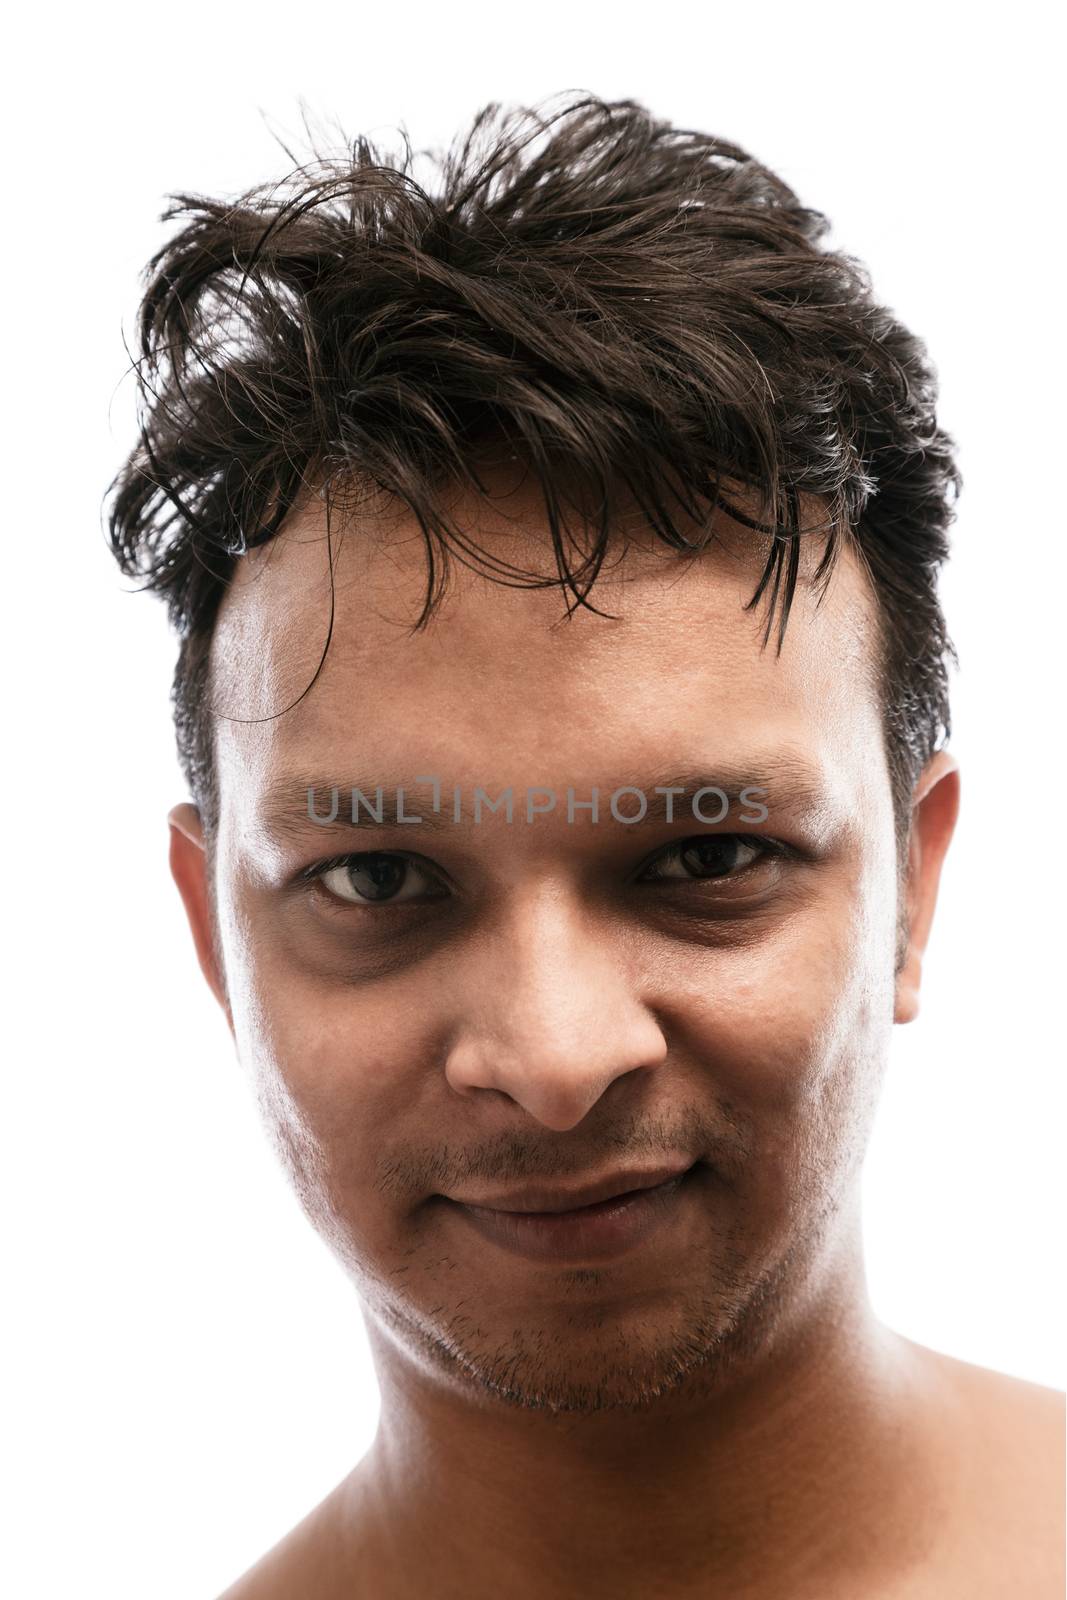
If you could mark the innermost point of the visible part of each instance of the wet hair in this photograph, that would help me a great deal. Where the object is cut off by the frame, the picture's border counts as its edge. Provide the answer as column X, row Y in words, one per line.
column 627, row 306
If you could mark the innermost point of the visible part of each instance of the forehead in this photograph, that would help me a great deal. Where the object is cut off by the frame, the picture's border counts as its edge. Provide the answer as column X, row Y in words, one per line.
column 502, row 686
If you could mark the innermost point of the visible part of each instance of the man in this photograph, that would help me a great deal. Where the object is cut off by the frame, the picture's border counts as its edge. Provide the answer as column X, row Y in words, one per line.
column 562, row 691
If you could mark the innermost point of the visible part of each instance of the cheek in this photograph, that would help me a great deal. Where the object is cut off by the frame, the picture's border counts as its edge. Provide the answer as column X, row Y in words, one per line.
column 792, row 1034
column 340, row 1076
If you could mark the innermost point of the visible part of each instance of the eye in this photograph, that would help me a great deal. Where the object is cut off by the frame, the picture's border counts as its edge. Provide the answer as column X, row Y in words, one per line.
column 710, row 855
column 375, row 878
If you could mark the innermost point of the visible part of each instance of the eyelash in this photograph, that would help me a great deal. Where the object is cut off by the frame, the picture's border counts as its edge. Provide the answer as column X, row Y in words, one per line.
column 768, row 848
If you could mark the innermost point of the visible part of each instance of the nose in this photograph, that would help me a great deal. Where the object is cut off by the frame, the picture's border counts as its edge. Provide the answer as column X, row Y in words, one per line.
column 551, row 1015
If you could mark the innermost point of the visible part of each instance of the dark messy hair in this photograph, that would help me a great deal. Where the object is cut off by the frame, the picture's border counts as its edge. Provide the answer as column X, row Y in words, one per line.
column 623, row 302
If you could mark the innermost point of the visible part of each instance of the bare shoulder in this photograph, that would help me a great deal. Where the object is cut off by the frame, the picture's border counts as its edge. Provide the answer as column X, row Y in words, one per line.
column 1015, row 1412
column 1002, row 1439
column 315, row 1559
column 285, row 1563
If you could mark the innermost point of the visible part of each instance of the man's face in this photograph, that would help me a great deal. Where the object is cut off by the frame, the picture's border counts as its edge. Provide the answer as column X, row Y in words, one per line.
column 545, row 1001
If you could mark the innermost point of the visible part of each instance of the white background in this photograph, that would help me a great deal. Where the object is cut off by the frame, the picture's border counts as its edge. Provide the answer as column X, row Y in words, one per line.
column 187, row 1367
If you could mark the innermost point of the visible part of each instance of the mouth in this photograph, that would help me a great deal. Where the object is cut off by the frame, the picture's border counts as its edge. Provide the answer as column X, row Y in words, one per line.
column 541, row 1200
column 595, row 1231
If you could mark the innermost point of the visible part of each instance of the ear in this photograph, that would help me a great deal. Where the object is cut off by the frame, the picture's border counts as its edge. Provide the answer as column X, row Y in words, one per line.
column 188, row 866
column 934, row 808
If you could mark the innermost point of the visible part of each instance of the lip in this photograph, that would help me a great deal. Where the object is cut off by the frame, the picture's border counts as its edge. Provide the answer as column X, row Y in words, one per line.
column 542, row 1200
column 596, row 1231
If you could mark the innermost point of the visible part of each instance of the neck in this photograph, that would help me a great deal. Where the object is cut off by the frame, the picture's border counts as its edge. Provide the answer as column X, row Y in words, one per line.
column 804, row 1460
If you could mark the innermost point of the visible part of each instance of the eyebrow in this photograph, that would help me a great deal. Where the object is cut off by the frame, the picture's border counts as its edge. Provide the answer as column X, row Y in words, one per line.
column 786, row 785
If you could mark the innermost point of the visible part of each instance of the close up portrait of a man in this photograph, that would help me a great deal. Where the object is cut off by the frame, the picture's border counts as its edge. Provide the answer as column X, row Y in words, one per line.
column 497, row 1136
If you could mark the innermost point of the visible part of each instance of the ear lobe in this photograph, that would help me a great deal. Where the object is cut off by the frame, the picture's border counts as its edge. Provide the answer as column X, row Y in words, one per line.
column 188, row 866
column 935, row 807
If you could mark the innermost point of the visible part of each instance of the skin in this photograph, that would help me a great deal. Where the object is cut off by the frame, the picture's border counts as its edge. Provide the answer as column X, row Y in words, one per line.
column 717, row 1412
